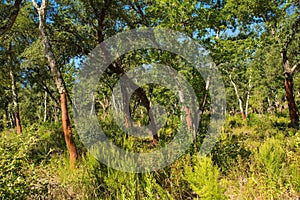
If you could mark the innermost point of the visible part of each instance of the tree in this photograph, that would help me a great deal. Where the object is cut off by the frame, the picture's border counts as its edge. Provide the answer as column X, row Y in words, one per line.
column 280, row 22
column 14, row 91
column 57, row 76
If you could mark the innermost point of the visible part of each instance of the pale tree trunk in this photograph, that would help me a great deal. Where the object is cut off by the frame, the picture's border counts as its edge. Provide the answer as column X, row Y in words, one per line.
column 238, row 97
column 14, row 96
column 55, row 114
column 45, row 106
column 93, row 105
column 58, row 81
column 248, row 96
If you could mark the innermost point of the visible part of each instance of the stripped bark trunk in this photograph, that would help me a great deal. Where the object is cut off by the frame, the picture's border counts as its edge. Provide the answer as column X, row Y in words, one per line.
column 58, row 81
column 144, row 101
column 289, row 87
column 141, row 94
column 14, row 96
column 288, row 72
column 293, row 111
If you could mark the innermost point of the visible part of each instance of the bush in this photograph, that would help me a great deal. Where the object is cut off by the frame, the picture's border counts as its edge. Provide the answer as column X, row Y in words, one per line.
column 18, row 177
column 203, row 178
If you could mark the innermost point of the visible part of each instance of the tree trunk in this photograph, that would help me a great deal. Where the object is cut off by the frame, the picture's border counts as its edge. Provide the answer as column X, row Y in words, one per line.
column 67, row 130
column 288, row 85
column 45, row 106
column 55, row 113
column 203, row 101
column 58, row 81
column 248, row 96
column 15, row 97
column 238, row 97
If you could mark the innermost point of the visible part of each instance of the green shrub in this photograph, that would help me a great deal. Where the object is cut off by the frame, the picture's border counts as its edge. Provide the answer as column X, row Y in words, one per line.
column 270, row 158
column 203, row 178
column 18, row 177
column 228, row 150
column 268, row 167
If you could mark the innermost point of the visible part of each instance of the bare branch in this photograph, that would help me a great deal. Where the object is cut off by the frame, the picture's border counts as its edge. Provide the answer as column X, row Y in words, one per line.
column 35, row 4
column 295, row 66
column 44, row 4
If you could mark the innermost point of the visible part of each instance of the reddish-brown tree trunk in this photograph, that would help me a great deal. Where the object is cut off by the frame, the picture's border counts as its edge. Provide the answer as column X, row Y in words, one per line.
column 18, row 123
column 243, row 116
column 67, row 130
column 289, row 86
column 293, row 111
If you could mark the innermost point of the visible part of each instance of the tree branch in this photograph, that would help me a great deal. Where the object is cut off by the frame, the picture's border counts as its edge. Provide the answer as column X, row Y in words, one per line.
column 295, row 27
column 295, row 66
column 35, row 4
column 12, row 18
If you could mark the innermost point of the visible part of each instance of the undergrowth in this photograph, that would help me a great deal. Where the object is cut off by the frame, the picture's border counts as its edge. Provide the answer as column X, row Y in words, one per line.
column 257, row 159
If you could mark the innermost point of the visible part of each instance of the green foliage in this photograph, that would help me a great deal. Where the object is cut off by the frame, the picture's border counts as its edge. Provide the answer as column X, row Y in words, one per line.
column 270, row 158
column 18, row 177
column 203, row 177
column 256, row 158
column 243, row 165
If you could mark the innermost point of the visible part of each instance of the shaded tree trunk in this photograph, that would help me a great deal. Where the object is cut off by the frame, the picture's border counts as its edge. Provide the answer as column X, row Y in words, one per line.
column 143, row 100
column 58, row 81
column 289, row 87
column 293, row 111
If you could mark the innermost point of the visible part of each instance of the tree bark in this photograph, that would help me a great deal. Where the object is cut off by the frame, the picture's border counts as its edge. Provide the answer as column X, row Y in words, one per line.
column 238, row 97
column 58, row 81
column 188, row 117
column 248, row 96
column 288, row 75
column 293, row 111
column 45, row 106
column 289, row 87
column 14, row 96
